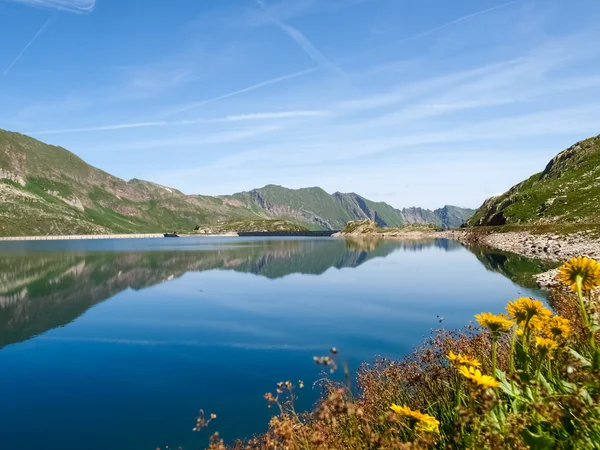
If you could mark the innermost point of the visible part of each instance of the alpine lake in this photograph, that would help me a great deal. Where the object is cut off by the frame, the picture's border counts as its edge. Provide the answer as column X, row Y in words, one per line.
column 117, row 344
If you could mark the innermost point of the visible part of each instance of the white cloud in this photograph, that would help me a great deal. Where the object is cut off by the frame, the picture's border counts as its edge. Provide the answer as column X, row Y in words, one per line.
column 164, row 123
column 193, row 140
column 74, row 6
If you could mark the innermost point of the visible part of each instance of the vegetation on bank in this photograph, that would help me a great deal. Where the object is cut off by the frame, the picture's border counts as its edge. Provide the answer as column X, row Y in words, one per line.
column 370, row 227
column 567, row 191
column 527, row 378
column 590, row 230
column 265, row 225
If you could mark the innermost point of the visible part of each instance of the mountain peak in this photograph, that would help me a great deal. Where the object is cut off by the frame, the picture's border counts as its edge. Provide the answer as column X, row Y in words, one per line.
column 65, row 195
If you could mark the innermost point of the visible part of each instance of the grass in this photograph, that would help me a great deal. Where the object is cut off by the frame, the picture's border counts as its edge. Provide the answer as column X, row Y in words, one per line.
column 526, row 379
column 259, row 225
column 369, row 227
column 567, row 191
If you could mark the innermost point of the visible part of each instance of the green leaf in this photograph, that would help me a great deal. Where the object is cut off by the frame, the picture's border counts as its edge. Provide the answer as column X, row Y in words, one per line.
column 538, row 441
column 584, row 361
column 508, row 387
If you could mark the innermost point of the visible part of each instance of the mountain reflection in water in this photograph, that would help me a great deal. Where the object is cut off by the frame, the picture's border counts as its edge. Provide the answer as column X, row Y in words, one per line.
column 43, row 290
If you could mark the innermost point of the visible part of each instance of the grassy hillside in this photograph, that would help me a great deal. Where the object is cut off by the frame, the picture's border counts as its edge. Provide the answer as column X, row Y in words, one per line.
column 46, row 189
column 313, row 205
column 318, row 209
column 567, row 191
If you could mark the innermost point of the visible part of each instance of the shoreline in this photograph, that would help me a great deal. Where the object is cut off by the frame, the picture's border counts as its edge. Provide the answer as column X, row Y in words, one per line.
column 89, row 237
column 551, row 247
column 545, row 246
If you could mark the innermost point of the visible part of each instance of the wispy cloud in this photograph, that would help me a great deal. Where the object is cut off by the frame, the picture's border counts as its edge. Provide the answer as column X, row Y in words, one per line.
column 276, row 115
column 113, row 127
column 246, row 89
column 74, row 6
column 37, row 35
column 455, row 21
column 166, row 123
column 302, row 41
column 196, row 140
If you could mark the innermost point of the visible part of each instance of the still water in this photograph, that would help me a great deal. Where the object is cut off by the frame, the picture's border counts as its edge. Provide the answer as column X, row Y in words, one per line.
column 118, row 344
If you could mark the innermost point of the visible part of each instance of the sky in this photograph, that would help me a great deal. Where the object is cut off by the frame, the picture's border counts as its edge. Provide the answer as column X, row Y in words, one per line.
column 411, row 102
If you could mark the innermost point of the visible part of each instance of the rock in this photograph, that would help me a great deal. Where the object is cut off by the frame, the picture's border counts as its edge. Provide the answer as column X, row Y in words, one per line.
column 16, row 178
column 547, row 280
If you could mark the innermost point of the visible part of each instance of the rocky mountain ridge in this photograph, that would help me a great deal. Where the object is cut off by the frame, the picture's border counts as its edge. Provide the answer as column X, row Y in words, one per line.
column 45, row 189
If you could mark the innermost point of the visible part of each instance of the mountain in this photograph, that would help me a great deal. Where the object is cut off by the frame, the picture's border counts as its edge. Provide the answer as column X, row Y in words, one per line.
column 318, row 209
column 46, row 189
column 566, row 191
column 49, row 190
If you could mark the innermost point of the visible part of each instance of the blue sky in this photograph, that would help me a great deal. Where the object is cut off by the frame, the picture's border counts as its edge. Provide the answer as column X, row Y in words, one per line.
column 413, row 102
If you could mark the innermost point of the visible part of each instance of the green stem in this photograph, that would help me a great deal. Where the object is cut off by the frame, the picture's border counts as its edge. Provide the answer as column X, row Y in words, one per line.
column 513, row 343
column 584, row 316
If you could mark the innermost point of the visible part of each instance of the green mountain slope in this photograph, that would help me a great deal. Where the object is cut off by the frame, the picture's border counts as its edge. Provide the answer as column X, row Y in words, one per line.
column 567, row 191
column 318, row 209
column 46, row 189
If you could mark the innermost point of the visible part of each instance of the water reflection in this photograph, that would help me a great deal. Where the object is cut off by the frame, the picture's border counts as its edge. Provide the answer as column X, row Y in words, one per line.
column 43, row 290
column 211, row 323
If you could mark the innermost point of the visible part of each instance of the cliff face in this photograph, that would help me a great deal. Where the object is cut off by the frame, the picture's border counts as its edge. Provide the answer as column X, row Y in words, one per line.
column 566, row 191
column 322, row 210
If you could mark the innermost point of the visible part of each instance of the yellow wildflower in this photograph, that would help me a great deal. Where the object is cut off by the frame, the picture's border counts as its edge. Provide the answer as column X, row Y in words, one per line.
column 524, row 309
column 497, row 324
column 583, row 271
column 545, row 345
column 424, row 422
column 463, row 360
column 554, row 327
column 476, row 376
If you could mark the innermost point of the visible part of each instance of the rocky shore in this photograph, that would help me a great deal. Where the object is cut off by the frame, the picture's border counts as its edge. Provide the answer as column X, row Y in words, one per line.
column 549, row 247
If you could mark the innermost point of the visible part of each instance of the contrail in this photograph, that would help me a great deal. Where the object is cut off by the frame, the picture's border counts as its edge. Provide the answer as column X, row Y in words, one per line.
column 455, row 21
column 164, row 123
column 248, row 89
column 40, row 31
column 302, row 41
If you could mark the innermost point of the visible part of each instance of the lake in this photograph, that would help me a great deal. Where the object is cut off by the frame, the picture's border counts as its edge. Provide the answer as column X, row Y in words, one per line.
column 116, row 344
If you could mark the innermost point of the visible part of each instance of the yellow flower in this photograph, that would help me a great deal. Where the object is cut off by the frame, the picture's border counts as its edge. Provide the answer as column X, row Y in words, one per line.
column 425, row 422
column 554, row 327
column 476, row 376
column 496, row 324
column 524, row 309
column 580, row 270
column 545, row 345
column 463, row 360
